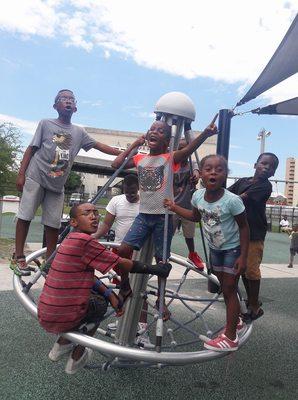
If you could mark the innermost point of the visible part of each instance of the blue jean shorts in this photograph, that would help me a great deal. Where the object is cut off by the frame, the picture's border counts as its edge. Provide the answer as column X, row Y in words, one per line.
column 149, row 224
column 224, row 260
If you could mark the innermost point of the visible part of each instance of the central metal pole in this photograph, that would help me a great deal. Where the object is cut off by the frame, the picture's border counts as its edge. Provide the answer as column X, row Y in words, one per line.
column 128, row 324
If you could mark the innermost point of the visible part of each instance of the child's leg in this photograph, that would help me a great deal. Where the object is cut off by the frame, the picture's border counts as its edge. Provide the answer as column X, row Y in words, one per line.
column 292, row 255
column 22, row 229
column 229, row 285
column 134, row 239
column 31, row 198
column 223, row 265
column 95, row 313
column 52, row 206
column 158, row 239
column 124, row 251
column 51, row 235
column 253, row 277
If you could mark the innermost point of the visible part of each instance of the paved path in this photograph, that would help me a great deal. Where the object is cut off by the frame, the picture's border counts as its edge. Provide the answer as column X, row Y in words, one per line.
column 268, row 271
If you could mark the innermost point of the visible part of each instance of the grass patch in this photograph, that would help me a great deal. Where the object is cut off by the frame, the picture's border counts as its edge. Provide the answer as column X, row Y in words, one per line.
column 6, row 248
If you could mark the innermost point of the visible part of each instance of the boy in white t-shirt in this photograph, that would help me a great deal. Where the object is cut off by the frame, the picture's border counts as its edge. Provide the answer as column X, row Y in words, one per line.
column 121, row 210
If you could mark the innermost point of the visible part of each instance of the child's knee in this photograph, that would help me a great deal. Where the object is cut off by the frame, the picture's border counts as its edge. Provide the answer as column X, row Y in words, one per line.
column 125, row 250
column 229, row 288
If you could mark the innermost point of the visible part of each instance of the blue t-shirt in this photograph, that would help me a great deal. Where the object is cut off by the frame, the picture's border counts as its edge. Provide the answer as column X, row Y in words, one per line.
column 219, row 225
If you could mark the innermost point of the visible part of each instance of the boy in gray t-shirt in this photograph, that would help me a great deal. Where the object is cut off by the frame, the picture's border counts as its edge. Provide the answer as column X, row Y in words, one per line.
column 44, row 170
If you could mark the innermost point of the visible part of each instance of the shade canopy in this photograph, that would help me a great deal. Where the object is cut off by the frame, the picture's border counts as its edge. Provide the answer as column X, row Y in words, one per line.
column 287, row 107
column 282, row 65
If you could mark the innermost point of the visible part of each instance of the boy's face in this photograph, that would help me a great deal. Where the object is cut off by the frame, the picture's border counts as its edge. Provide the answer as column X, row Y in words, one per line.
column 131, row 193
column 158, row 136
column 86, row 219
column 213, row 173
column 265, row 167
column 65, row 104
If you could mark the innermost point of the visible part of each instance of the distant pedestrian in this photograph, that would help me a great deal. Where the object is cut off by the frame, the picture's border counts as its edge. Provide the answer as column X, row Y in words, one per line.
column 285, row 224
column 293, row 245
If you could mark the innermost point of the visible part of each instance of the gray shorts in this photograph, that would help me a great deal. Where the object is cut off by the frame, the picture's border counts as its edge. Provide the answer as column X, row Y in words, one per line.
column 51, row 203
column 188, row 227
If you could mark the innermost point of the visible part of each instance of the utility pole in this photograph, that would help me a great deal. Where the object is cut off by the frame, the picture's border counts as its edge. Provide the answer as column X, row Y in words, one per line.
column 262, row 137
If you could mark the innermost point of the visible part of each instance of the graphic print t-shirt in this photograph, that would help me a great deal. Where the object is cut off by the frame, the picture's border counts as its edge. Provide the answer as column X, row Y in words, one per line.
column 219, row 225
column 153, row 174
column 57, row 145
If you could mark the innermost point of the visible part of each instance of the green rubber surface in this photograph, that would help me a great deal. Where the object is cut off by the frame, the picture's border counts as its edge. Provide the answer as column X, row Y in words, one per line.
column 265, row 368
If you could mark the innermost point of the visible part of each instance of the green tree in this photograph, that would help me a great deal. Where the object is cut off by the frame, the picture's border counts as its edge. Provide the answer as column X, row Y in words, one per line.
column 10, row 149
column 73, row 183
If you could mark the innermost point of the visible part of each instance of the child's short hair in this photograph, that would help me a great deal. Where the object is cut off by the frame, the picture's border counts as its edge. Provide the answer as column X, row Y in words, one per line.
column 130, row 180
column 59, row 93
column 274, row 156
column 222, row 158
column 74, row 210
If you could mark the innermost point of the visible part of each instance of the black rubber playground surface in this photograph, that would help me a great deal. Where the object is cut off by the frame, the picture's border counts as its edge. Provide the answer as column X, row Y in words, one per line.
column 265, row 368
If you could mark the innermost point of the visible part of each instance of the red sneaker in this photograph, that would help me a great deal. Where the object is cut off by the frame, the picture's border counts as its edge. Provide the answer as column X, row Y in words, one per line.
column 222, row 343
column 196, row 260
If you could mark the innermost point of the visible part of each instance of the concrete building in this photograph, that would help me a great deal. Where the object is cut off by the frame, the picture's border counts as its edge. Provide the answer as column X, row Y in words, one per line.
column 96, row 166
column 291, row 188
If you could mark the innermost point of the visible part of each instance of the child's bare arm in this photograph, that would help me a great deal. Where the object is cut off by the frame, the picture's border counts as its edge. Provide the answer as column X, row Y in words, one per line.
column 137, row 267
column 119, row 160
column 24, row 165
column 105, row 226
column 106, row 149
column 191, row 215
column 182, row 154
column 241, row 262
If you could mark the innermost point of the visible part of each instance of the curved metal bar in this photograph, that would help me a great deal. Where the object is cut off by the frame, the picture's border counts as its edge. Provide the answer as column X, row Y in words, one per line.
column 169, row 358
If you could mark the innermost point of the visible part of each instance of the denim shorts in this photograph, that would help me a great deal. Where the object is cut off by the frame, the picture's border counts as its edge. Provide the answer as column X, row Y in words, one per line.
column 149, row 224
column 97, row 308
column 224, row 260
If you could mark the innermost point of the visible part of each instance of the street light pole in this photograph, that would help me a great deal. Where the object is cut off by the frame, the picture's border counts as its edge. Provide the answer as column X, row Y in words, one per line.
column 262, row 137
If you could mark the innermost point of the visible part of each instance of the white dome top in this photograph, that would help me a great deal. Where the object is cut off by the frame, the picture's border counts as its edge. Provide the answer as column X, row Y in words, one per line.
column 176, row 103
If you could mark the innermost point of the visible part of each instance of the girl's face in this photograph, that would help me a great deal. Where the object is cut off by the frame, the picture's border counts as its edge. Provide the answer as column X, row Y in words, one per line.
column 158, row 137
column 213, row 173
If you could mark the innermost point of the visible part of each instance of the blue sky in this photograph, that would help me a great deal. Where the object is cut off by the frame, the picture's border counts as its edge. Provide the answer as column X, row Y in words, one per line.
column 119, row 63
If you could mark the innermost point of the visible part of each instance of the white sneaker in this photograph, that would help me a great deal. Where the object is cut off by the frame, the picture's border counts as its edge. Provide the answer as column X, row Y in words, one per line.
column 142, row 328
column 144, row 340
column 113, row 326
column 59, row 350
column 72, row 366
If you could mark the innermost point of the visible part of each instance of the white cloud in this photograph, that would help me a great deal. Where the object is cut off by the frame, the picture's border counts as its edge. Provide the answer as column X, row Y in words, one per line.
column 23, row 124
column 97, row 103
column 146, row 114
column 240, row 163
column 230, row 40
